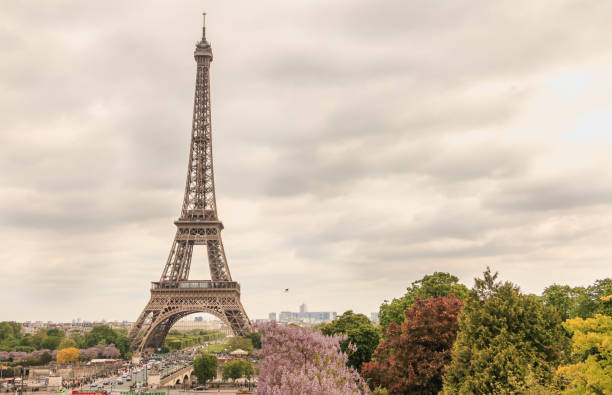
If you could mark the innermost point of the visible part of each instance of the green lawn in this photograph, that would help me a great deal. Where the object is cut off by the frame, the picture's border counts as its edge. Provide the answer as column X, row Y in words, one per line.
column 215, row 347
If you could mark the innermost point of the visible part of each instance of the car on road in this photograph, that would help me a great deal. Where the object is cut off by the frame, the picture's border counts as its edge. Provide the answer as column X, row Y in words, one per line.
column 200, row 388
column 93, row 385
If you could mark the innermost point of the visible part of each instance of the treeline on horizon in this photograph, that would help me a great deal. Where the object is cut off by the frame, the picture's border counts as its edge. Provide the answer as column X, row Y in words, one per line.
column 18, row 349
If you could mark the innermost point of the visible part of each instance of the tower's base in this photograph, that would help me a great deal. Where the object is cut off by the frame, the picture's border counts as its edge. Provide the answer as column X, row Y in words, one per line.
column 170, row 303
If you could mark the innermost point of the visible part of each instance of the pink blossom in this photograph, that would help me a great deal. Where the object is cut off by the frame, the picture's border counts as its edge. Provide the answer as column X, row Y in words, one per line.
column 296, row 361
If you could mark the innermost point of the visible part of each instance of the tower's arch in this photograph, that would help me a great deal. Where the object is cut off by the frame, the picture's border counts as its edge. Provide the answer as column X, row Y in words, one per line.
column 155, row 335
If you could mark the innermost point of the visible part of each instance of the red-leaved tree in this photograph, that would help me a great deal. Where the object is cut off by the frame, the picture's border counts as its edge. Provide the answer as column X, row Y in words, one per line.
column 411, row 359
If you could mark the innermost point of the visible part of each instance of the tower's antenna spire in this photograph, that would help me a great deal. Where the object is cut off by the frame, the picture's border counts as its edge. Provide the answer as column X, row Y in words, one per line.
column 203, row 26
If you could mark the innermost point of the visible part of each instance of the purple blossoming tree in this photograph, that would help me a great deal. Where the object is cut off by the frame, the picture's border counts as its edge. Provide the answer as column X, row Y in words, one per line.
column 296, row 361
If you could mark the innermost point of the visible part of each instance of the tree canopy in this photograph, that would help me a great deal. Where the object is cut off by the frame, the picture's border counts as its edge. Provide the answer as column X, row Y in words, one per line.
column 507, row 342
column 69, row 354
column 205, row 367
column 359, row 331
column 591, row 372
column 432, row 285
column 583, row 302
column 236, row 369
column 255, row 339
column 299, row 361
column 412, row 357
column 103, row 334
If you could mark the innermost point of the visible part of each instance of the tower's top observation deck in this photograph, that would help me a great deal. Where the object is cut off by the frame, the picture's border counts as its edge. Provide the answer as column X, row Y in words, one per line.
column 203, row 48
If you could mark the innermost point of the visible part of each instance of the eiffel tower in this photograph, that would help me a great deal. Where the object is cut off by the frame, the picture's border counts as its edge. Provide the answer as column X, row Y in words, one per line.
column 174, row 296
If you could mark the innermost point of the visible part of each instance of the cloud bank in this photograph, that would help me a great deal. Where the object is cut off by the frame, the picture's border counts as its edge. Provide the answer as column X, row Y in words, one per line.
column 358, row 146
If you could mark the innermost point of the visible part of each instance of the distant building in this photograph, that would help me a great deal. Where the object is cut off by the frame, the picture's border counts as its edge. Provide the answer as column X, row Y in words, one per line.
column 306, row 317
column 325, row 316
column 272, row 316
column 288, row 316
column 199, row 318
column 374, row 317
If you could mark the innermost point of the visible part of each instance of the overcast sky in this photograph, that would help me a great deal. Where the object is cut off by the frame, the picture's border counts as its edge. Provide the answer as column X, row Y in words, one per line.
column 358, row 146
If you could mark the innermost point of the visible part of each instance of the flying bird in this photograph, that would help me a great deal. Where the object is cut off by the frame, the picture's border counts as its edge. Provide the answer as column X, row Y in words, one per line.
column 286, row 289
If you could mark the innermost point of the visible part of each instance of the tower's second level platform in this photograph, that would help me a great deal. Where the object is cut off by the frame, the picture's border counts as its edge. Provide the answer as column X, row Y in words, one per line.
column 195, row 285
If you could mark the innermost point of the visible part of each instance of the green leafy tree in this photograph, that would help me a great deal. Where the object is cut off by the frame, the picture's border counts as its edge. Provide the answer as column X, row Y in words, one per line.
column 598, row 292
column 583, row 302
column 507, row 342
column 51, row 342
column 103, row 334
column 45, row 358
column 240, row 342
column 234, row 369
column 27, row 340
column 78, row 339
column 205, row 367
column 430, row 286
column 359, row 331
column 592, row 353
column 10, row 336
column 55, row 332
column 9, row 329
column 248, row 370
column 561, row 297
column 255, row 339
column 123, row 343
column 100, row 334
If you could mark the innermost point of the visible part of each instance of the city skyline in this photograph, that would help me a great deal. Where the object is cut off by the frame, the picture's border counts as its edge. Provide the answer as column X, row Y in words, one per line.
column 358, row 147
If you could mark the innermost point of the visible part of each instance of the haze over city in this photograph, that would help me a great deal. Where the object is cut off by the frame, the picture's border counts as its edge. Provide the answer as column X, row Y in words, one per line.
column 358, row 146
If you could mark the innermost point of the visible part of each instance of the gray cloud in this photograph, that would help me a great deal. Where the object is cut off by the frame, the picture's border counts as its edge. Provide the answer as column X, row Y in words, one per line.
column 358, row 146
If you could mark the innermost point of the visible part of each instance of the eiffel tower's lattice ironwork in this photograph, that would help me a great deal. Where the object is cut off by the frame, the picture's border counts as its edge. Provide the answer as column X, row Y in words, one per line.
column 174, row 295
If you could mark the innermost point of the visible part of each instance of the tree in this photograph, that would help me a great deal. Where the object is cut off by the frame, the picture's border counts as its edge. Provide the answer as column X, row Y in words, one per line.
column 411, row 359
column 78, row 339
column 103, row 334
column 359, row 331
column 51, row 342
column 100, row 334
column 66, row 343
column 592, row 353
column 239, row 342
column 9, row 329
column 255, row 339
column 248, row 370
column 69, row 354
column 580, row 301
column 232, row 370
column 598, row 292
column 507, row 342
column 300, row 361
column 433, row 285
column 45, row 358
column 55, row 332
column 205, row 367
column 561, row 298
